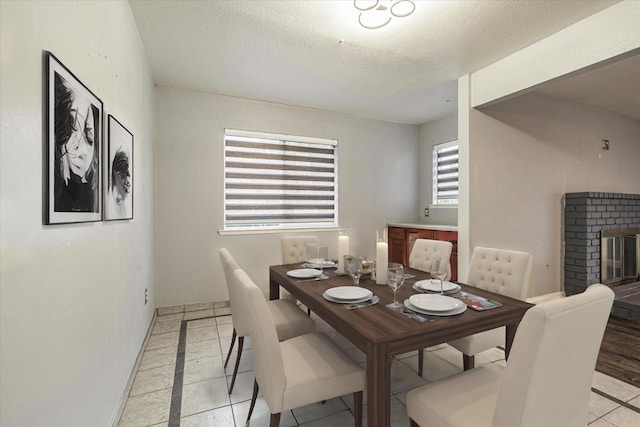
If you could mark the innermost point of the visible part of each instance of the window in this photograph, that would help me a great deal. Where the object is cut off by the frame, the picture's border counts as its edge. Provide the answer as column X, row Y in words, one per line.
column 445, row 173
column 277, row 181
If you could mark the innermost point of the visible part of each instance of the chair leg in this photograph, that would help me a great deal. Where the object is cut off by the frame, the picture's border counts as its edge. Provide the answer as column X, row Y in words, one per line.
column 275, row 420
column 413, row 423
column 254, row 397
column 420, row 361
column 357, row 406
column 468, row 362
column 235, row 369
column 233, row 341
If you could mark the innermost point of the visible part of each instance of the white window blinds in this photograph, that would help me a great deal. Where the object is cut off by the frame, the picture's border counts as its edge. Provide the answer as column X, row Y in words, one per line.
column 278, row 181
column 445, row 173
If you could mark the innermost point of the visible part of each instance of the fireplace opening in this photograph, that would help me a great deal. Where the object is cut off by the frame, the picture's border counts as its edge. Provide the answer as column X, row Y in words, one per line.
column 620, row 256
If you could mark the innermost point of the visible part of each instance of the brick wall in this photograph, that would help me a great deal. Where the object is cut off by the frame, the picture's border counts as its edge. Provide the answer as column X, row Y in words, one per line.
column 585, row 216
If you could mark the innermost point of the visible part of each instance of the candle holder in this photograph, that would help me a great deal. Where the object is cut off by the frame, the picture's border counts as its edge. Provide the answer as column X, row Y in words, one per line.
column 343, row 249
column 382, row 256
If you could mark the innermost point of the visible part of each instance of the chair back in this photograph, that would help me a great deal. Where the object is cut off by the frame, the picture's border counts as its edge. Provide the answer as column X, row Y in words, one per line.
column 548, row 377
column 500, row 270
column 268, row 364
column 424, row 251
column 293, row 248
column 238, row 316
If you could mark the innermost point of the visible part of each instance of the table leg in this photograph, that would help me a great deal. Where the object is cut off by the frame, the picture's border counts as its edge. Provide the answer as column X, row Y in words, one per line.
column 378, row 385
column 509, row 336
column 274, row 289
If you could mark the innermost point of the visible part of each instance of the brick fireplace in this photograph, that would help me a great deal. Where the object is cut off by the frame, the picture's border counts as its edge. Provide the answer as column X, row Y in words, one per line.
column 586, row 216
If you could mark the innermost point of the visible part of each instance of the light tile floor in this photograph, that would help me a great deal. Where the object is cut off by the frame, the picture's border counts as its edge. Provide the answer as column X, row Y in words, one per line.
column 206, row 402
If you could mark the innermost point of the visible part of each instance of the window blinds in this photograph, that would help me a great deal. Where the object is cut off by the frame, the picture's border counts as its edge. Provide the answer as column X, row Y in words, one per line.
column 279, row 181
column 445, row 164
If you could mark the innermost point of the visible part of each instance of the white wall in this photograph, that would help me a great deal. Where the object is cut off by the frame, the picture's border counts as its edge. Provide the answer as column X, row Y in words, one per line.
column 378, row 179
column 524, row 155
column 71, row 296
column 433, row 133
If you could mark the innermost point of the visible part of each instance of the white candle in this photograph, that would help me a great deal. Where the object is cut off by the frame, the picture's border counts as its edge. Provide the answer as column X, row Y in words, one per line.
column 382, row 262
column 343, row 249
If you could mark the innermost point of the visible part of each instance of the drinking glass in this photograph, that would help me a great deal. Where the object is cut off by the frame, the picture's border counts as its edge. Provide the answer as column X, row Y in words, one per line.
column 439, row 271
column 395, row 279
column 354, row 269
column 323, row 253
column 310, row 251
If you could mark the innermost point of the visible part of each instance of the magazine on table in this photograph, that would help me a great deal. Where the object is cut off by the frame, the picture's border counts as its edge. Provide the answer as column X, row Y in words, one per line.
column 477, row 302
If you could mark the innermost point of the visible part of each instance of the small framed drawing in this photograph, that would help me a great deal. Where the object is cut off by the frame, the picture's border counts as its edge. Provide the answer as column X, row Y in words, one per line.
column 119, row 194
column 73, row 146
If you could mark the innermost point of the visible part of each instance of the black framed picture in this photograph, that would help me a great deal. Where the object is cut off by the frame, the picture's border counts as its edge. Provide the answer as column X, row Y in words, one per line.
column 119, row 192
column 74, row 136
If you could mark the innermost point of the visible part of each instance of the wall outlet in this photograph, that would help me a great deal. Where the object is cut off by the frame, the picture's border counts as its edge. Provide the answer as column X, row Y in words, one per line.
column 426, row 211
column 146, row 296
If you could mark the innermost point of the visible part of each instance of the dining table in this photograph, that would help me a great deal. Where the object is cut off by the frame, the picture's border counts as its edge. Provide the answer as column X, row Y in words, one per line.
column 381, row 333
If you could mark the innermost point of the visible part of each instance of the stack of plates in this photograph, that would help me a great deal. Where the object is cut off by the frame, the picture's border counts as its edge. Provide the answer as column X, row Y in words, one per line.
column 304, row 273
column 347, row 294
column 320, row 263
column 432, row 285
column 435, row 304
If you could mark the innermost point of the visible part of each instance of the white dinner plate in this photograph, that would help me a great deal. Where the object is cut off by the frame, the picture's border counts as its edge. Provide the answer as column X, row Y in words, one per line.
column 318, row 263
column 435, row 313
column 419, row 289
column 348, row 293
column 435, row 302
column 341, row 301
column 433, row 285
column 304, row 273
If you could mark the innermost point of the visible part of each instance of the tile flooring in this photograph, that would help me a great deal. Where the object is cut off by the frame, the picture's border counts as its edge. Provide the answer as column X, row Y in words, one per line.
column 203, row 399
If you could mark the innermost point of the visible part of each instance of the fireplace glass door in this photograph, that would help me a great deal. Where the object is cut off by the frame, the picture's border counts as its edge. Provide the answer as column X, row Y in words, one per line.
column 629, row 256
column 619, row 258
column 612, row 259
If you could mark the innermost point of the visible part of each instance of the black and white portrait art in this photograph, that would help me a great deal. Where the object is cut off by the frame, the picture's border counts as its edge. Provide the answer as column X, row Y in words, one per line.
column 119, row 202
column 74, row 132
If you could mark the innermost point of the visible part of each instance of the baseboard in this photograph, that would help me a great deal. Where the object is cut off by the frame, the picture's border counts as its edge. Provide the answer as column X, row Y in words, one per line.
column 125, row 395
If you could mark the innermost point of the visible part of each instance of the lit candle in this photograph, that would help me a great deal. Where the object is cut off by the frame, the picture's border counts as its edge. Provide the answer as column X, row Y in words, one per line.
column 343, row 249
column 382, row 262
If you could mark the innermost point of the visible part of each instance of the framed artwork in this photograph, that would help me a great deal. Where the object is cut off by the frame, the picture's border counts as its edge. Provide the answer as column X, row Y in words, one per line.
column 119, row 194
column 73, row 147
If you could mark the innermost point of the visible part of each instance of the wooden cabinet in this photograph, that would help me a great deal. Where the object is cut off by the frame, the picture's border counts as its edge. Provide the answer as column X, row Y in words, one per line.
column 401, row 240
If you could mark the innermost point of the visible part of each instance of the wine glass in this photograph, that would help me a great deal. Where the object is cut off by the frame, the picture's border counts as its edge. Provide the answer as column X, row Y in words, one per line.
column 439, row 271
column 395, row 279
column 354, row 269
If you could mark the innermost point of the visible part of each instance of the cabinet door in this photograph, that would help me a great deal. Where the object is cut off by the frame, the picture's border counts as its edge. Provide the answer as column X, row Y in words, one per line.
column 397, row 245
column 451, row 236
column 397, row 250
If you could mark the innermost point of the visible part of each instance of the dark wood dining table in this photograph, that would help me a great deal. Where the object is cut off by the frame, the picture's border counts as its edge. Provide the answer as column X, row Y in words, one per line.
column 381, row 332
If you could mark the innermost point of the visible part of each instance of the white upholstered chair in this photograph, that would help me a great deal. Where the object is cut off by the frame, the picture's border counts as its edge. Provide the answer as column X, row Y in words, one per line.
column 547, row 381
column 293, row 250
column 288, row 319
column 422, row 255
column 300, row 371
column 424, row 251
column 501, row 271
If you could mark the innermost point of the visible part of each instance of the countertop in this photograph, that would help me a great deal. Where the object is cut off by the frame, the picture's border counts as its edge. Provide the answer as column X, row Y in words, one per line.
column 425, row 226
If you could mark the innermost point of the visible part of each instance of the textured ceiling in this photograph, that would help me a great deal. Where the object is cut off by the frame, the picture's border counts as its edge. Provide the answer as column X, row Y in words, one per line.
column 314, row 54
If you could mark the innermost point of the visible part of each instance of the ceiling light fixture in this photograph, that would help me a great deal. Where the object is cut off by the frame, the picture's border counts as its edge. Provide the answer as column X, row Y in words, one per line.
column 376, row 14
